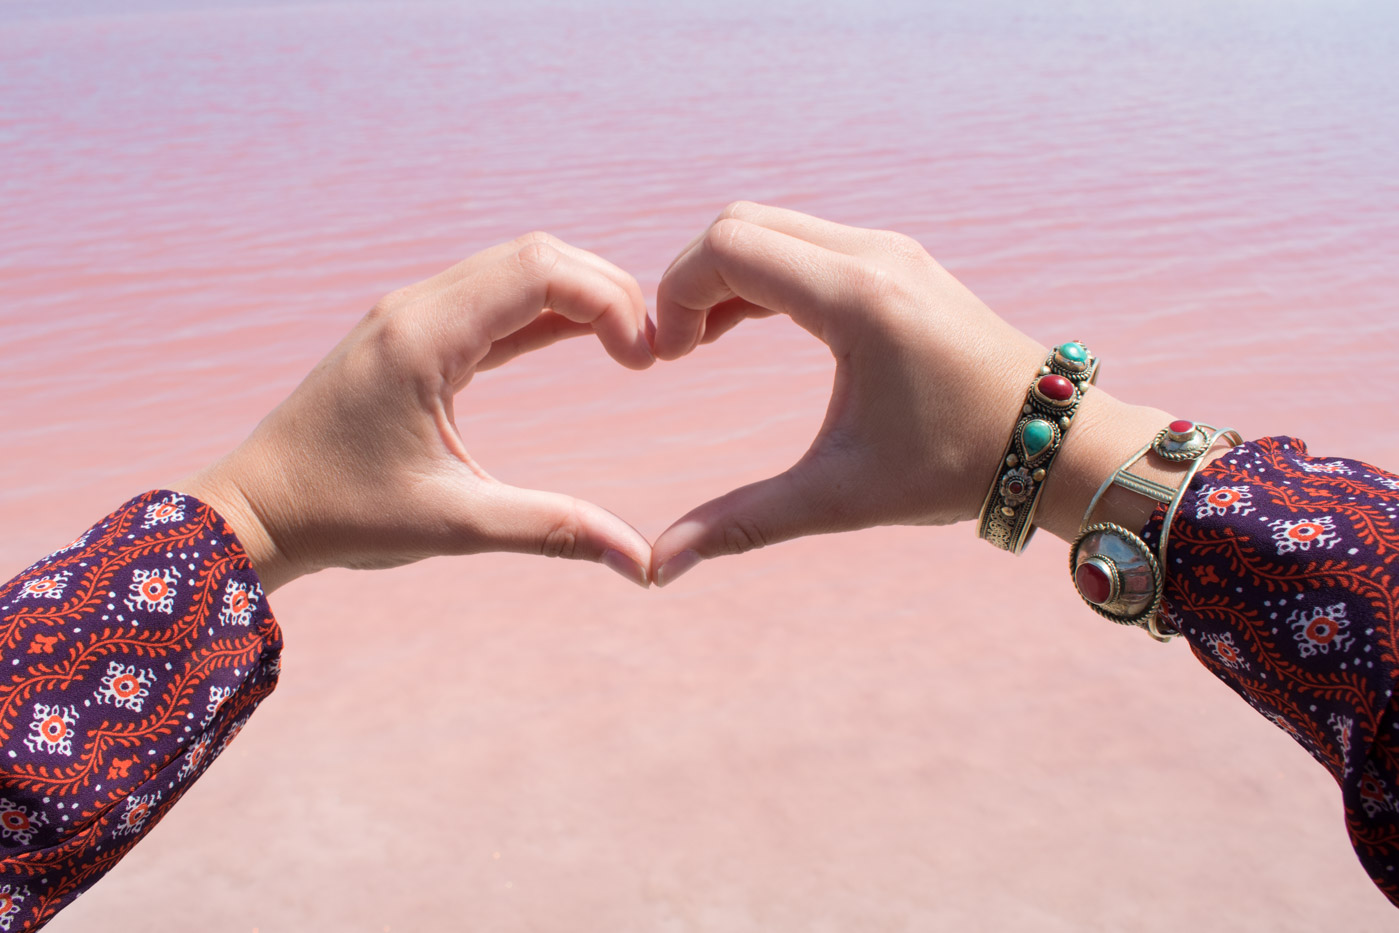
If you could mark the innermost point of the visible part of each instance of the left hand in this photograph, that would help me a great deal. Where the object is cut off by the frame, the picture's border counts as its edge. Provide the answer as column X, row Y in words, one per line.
column 363, row 466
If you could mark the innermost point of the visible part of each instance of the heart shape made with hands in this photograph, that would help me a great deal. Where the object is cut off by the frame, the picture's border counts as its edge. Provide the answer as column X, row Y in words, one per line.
column 926, row 378
column 904, row 433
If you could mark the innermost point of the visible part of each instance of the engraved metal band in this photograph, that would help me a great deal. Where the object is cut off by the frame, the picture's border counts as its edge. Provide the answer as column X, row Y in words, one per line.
column 1007, row 514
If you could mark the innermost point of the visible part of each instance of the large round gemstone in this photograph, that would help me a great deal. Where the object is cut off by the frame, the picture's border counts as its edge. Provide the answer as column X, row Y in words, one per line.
column 1036, row 436
column 1093, row 581
column 1181, row 427
column 1055, row 387
column 1074, row 351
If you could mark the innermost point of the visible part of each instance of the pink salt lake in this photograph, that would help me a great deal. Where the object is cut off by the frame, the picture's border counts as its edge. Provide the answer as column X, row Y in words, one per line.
column 898, row 730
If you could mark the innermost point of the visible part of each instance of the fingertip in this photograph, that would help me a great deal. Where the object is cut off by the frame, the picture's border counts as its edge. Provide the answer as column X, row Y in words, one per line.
column 625, row 567
column 681, row 563
column 637, row 355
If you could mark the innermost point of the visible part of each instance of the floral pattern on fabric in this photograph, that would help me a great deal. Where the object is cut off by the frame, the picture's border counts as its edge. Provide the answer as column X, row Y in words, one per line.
column 122, row 690
column 1295, row 605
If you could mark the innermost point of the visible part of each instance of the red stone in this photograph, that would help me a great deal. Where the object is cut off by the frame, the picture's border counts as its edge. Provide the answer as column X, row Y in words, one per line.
column 1181, row 427
column 1093, row 582
column 1056, row 387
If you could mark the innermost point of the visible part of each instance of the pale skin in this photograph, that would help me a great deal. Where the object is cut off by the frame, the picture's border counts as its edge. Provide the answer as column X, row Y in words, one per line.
column 363, row 466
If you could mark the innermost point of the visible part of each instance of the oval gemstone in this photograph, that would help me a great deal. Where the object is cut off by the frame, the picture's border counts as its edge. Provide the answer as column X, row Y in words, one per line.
column 1093, row 582
column 1181, row 427
column 1074, row 351
column 1036, row 435
column 1055, row 388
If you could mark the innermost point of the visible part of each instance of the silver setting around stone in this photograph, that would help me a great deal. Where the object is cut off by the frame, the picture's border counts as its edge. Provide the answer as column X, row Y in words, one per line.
column 1137, row 575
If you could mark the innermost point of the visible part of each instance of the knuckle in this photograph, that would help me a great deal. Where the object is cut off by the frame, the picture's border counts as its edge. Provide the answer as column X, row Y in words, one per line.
column 737, row 210
column 386, row 328
column 722, row 236
column 537, row 253
column 742, row 535
column 562, row 539
column 904, row 247
column 875, row 282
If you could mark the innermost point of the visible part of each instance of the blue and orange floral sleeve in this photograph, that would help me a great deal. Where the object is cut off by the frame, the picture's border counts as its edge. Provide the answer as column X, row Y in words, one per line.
column 129, row 659
column 1282, row 576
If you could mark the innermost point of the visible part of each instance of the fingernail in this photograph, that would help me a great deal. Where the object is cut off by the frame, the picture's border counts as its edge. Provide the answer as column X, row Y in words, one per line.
column 667, row 572
column 624, row 565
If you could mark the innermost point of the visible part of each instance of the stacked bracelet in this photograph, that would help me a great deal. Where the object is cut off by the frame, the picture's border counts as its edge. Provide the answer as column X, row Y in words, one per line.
column 1113, row 569
column 1007, row 514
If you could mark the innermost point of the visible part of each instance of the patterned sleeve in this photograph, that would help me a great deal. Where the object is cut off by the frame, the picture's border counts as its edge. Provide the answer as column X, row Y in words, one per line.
column 128, row 661
column 1283, row 579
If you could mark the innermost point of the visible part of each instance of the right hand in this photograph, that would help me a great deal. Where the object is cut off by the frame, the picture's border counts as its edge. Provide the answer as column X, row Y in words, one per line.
column 928, row 380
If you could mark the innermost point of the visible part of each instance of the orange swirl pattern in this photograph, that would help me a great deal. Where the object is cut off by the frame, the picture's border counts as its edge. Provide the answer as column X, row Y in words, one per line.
column 131, row 658
column 1282, row 576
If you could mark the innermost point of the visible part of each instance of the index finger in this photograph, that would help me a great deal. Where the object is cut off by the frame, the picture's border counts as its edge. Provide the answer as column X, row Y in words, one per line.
column 736, row 259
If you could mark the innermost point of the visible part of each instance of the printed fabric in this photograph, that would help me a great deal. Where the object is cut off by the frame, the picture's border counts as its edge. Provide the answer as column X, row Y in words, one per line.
column 1282, row 578
column 132, row 657
column 128, row 661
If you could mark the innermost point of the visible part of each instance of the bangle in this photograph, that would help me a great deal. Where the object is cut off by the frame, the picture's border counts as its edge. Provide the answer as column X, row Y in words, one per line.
column 1113, row 569
column 1007, row 514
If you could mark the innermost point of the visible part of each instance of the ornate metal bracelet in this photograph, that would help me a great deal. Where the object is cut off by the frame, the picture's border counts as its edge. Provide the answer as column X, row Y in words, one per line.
column 1007, row 515
column 1112, row 568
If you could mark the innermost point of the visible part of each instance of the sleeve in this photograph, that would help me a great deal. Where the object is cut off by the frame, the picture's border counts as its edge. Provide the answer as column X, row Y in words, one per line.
column 1282, row 577
column 128, row 661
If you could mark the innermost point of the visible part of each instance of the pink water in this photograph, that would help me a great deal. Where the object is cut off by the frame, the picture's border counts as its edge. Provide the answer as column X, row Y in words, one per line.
column 894, row 730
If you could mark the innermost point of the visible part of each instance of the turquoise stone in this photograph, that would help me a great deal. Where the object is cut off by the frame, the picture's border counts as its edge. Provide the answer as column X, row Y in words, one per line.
column 1074, row 351
column 1036, row 436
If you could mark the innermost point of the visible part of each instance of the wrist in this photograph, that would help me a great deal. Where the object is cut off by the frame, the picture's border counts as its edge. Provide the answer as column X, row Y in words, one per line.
column 1106, row 432
column 218, row 487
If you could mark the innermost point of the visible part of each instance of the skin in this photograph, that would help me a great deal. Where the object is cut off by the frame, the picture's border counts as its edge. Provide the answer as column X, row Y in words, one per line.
column 928, row 383
column 363, row 465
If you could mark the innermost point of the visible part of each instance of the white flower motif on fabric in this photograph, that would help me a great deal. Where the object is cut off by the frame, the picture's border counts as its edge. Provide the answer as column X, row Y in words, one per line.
column 1225, row 651
column 1221, row 500
column 197, row 756
column 1301, row 533
column 11, row 897
column 52, row 729
column 138, row 810
column 1333, row 467
column 1318, row 631
column 1375, row 797
column 77, row 542
column 18, row 822
column 1285, row 725
column 124, row 686
column 217, row 695
column 232, row 734
column 170, row 509
column 1343, row 726
column 47, row 587
column 239, row 601
column 153, row 590
column 1388, row 482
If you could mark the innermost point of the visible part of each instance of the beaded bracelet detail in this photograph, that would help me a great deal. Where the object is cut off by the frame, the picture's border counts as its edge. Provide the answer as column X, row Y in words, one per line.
column 1007, row 514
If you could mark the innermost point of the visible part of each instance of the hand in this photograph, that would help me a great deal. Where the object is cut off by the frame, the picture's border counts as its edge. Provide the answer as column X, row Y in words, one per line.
column 363, row 466
column 928, row 384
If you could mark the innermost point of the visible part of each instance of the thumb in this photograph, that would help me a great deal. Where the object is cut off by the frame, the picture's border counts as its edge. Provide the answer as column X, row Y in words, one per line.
column 804, row 500
column 531, row 521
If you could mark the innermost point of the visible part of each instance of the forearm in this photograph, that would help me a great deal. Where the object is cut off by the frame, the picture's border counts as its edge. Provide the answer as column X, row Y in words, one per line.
column 134, row 656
